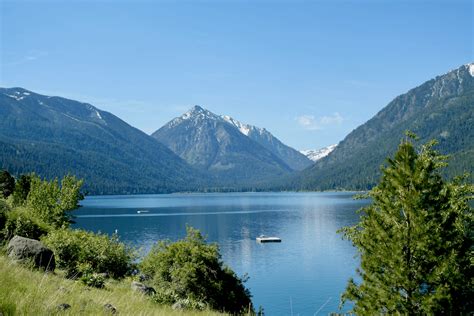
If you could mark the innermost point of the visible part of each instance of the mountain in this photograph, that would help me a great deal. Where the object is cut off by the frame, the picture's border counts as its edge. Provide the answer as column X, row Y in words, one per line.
column 293, row 158
column 53, row 136
column 316, row 154
column 441, row 108
column 222, row 146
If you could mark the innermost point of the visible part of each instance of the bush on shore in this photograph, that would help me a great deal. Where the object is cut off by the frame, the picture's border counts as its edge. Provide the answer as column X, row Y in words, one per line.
column 80, row 252
column 191, row 271
column 21, row 222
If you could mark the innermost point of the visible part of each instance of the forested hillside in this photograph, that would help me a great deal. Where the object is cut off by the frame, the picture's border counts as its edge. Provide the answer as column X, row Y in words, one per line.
column 441, row 108
column 53, row 136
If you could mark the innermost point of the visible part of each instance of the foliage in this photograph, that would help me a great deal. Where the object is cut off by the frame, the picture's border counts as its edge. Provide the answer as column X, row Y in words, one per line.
column 20, row 221
column 7, row 184
column 76, row 249
column 50, row 202
column 3, row 216
column 192, row 270
column 414, row 240
column 89, row 278
column 93, row 280
column 22, row 188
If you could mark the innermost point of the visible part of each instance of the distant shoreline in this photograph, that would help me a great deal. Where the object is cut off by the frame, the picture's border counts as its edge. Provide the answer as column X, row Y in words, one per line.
column 227, row 192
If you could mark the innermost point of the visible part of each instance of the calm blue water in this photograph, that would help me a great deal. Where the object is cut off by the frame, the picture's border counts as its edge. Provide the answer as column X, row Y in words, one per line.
column 305, row 274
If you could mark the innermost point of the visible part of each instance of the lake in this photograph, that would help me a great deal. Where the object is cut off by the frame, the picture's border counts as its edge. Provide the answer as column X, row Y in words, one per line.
column 304, row 274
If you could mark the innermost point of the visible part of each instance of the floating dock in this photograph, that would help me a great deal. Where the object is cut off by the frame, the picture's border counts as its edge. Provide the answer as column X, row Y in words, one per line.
column 263, row 239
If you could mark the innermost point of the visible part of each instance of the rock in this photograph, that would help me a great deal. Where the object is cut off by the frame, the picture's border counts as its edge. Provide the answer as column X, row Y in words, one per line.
column 178, row 306
column 110, row 308
column 142, row 288
column 25, row 250
column 143, row 277
column 64, row 306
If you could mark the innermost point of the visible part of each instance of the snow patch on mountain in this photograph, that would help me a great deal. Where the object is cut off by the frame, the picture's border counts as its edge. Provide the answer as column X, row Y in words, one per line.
column 71, row 117
column 98, row 115
column 95, row 112
column 16, row 97
column 243, row 128
column 315, row 155
column 471, row 69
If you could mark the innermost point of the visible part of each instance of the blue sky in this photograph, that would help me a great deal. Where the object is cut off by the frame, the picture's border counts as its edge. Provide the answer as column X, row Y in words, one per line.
column 308, row 71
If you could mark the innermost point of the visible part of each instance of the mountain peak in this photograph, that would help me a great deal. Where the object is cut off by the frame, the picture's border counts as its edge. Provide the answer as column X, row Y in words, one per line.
column 197, row 108
column 316, row 154
column 211, row 135
column 199, row 112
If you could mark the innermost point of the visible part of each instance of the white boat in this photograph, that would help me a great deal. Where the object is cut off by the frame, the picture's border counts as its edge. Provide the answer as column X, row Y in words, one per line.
column 142, row 211
column 263, row 238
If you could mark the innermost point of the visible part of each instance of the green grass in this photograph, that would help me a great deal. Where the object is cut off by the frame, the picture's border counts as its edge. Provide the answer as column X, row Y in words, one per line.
column 25, row 291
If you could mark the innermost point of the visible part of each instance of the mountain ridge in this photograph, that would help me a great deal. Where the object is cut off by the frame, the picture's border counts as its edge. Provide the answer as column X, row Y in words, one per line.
column 53, row 136
column 441, row 108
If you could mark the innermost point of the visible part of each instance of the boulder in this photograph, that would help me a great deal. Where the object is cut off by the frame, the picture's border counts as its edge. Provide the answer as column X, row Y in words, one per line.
column 178, row 306
column 142, row 288
column 109, row 308
column 30, row 250
column 63, row 306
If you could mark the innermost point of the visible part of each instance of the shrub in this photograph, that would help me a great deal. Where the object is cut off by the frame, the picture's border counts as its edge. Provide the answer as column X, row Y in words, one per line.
column 193, row 275
column 93, row 280
column 89, row 278
column 75, row 249
column 20, row 221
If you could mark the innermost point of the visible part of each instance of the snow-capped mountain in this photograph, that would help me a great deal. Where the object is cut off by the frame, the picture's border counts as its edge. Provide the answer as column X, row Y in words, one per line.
column 316, row 154
column 232, row 150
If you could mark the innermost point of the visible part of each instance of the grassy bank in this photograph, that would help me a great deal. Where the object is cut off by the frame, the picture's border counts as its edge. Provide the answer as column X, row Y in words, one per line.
column 26, row 291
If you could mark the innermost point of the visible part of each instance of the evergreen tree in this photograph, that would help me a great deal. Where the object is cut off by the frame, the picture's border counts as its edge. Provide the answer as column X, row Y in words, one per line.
column 22, row 188
column 414, row 240
column 7, row 184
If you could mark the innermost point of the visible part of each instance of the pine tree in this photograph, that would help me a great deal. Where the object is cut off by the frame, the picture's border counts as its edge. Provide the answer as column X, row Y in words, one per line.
column 22, row 188
column 7, row 184
column 414, row 240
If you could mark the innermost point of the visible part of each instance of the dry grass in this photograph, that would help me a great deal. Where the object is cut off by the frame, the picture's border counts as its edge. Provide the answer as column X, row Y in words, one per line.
column 25, row 291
